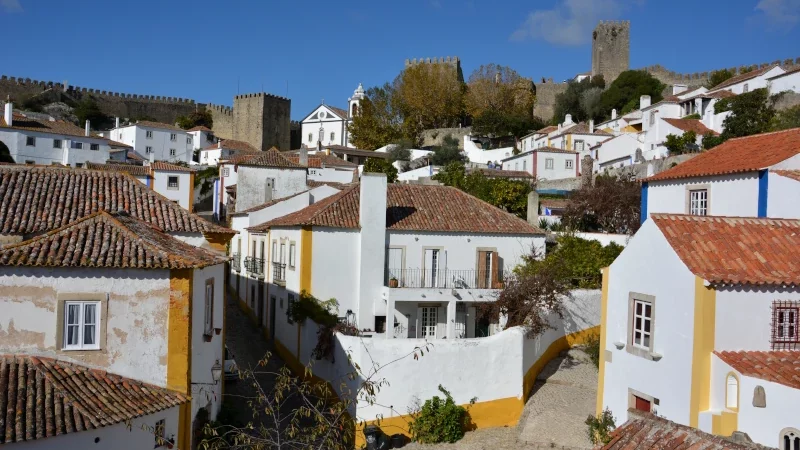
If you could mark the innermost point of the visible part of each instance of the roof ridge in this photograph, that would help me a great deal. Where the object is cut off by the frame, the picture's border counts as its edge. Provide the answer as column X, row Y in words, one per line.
column 493, row 206
column 694, row 217
column 763, row 134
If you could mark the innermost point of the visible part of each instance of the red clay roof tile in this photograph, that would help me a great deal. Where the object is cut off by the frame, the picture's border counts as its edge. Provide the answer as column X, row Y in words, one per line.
column 269, row 158
column 793, row 174
column 695, row 125
column 167, row 167
column 782, row 367
column 136, row 170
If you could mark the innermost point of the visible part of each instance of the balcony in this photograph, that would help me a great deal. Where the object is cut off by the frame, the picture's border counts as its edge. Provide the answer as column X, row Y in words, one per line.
column 279, row 273
column 254, row 266
column 444, row 279
column 236, row 262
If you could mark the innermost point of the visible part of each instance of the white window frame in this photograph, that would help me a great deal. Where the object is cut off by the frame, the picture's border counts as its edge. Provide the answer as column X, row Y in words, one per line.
column 745, row 88
column 189, row 140
column 292, row 250
column 172, row 152
column 226, row 172
column 639, row 349
column 732, row 391
column 582, row 145
column 310, row 137
column 148, row 134
column 77, row 145
column 642, row 325
column 549, row 163
column 274, row 251
column 81, row 324
column 698, row 204
column 170, row 184
column 30, row 141
column 568, row 164
column 173, row 137
column 94, row 147
column 428, row 314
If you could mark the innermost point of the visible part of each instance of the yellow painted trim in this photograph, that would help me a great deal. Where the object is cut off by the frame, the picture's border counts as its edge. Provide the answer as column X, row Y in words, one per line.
column 569, row 142
column 179, row 337
column 219, row 241
column 184, row 425
column 601, row 376
column 191, row 191
column 306, row 254
column 703, row 345
column 724, row 424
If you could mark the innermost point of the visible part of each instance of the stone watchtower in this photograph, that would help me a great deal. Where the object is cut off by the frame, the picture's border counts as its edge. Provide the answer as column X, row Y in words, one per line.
column 611, row 49
column 262, row 120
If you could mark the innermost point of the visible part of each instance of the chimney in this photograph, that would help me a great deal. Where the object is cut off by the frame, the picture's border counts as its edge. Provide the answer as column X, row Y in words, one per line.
column 568, row 119
column 303, row 156
column 116, row 122
column 644, row 101
column 87, row 127
column 591, row 126
column 678, row 88
column 533, row 208
column 372, row 253
column 9, row 114
column 151, row 160
column 613, row 114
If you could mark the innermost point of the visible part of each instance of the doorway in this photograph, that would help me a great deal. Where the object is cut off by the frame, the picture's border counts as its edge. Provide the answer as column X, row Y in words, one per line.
column 272, row 318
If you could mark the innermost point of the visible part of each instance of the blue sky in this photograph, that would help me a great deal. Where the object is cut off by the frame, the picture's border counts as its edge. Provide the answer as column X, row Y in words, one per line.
column 209, row 49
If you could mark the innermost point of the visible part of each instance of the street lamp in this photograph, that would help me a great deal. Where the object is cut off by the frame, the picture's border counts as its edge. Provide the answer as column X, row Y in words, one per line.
column 216, row 372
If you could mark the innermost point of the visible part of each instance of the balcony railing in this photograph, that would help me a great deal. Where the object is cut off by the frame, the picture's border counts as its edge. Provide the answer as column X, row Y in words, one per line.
column 278, row 273
column 236, row 262
column 444, row 278
column 254, row 265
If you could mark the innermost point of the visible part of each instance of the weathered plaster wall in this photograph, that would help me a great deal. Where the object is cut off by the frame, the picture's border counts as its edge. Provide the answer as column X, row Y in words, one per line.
column 251, row 184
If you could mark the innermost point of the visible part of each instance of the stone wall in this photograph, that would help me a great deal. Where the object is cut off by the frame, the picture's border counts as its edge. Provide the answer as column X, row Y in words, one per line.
column 454, row 62
column 223, row 120
column 695, row 79
column 546, row 92
column 262, row 120
column 611, row 49
column 436, row 136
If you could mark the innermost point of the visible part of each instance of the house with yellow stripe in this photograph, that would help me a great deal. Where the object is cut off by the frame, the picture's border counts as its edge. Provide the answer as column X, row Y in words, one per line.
column 701, row 325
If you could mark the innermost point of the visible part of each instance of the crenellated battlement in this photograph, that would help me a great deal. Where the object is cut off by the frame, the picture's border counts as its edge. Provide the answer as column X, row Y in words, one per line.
column 78, row 90
column 697, row 78
column 454, row 60
column 260, row 94
column 220, row 109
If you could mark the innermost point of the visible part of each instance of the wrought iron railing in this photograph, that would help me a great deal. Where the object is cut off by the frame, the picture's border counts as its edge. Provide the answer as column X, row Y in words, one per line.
column 278, row 272
column 444, row 278
column 254, row 265
column 236, row 262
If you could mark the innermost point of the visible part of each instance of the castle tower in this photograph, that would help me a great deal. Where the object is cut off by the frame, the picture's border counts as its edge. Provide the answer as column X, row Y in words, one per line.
column 611, row 49
column 262, row 120
column 354, row 102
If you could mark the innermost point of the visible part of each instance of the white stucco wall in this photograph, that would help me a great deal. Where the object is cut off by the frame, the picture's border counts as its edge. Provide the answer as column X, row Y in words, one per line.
column 331, row 174
column 755, row 82
column 415, row 174
column 559, row 170
column 789, row 82
column 756, row 305
column 136, row 319
column 331, row 123
column 251, row 184
column 618, row 151
column 729, row 195
column 160, row 143
column 44, row 153
column 523, row 161
column 782, row 198
column 181, row 194
column 476, row 154
column 649, row 266
column 206, row 353
column 334, row 272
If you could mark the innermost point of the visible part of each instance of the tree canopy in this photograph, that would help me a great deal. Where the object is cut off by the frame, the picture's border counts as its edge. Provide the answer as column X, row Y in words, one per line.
column 785, row 119
column 718, row 76
column 379, row 120
column 681, row 144
column 196, row 119
column 429, row 96
column 447, row 152
column 612, row 205
column 87, row 109
column 506, row 194
column 380, row 165
column 624, row 93
column 751, row 113
column 500, row 101
column 569, row 101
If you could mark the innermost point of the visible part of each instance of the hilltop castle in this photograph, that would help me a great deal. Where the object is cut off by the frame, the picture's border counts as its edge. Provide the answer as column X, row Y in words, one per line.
column 260, row 119
column 611, row 56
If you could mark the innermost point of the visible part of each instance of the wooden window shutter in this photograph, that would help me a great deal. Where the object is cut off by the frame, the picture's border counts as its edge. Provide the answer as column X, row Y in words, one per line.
column 496, row 281
column 482, row 270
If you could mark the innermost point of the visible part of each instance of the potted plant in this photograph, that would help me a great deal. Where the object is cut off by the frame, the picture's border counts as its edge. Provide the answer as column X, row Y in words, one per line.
column 393, row 283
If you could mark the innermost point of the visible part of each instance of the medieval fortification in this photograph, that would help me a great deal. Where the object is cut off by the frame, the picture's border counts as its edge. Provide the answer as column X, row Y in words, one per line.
column 611, row 56
column 260, row 119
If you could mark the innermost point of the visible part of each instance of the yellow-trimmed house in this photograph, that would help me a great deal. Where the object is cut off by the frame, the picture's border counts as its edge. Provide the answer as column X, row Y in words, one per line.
column 116, row 297
column 700, row 326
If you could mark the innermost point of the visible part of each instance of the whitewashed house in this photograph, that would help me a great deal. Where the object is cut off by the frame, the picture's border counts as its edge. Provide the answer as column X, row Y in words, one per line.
column 787, row 81
column 702, row 104
column 396, row 259
column 31, row 140
column 202, row 137
column 655, row 133
column 579, row 138
column 617, row 151
column 324, row 167
column 700, row 326
column 165, row 142
column 754, row 176
column 327, row 124
column 545, row 163
column 749, row 81
column 225, row 149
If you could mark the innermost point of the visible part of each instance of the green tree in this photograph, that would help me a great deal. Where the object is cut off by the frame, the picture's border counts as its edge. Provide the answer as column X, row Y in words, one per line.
column 751, row 113
column 447, row 152
column 678, row 145
column 569, row 101
column 196, row 119
column 580, row 260
column 497, row 123
column 378, row 121
column 87, row 109
column 785, row 119
column 625, row 92
column 500, row 101
column 612, row 205
column 380, row 165
column 711, row 140
column 509, row 195
column 429, row 96
column 719, row 76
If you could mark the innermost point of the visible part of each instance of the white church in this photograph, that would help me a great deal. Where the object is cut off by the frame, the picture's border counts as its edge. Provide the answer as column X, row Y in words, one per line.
column 327, row 125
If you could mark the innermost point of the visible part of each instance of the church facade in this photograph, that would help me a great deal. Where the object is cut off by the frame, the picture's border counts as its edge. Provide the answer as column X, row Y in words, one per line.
column 327, row 125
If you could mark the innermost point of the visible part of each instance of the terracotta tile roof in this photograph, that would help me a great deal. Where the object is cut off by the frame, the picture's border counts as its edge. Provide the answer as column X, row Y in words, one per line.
column 695, row 125
column 743, row 77
column 355, row 151
column 554, row 202
column 39, row 199
column 199, row 128
column 793, row 174
column 547, row 129
column 552, row 150
column 645, row 431
column 108, row 241
column 411, row 207
column 735, row 250
column 60, row 127
column 269, row 158
column 782, row 367
column 313, row 184
column 745, row 154
column 313, row 161
column 136, row 170
column 115, row 144
column 134, row 156
column 238, row 158
column 167, row 167
column 231, row 144
column 340, row 111
column 43, row 397
column 497, row 173
column 266, row 205
column 151, row 124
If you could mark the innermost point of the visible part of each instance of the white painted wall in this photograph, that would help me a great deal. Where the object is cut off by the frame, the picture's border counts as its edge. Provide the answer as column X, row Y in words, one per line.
column 205, row 354
column 160, row 142
column 181, row 194
column 522, row 161
column 789, row 82
column 782, row 195
column 476, row 154
column 201, row 139
column 333, row 267
column 666, row 277
column 331, row 174
column 115, row 437
column 415, row 174
column 754, row 83
column 618, row 151
column 251, row 184
column 44, row 153
column 330, row 124
column 729, row 195
column 560, row 169
column 756, row 305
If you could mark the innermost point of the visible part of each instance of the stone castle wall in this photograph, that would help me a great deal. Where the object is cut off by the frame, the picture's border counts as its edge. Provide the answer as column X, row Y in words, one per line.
column 263, row 120
column 223, row 120
column 700, row 78
column 435, row 136
column 611, row 49
column 546, row 92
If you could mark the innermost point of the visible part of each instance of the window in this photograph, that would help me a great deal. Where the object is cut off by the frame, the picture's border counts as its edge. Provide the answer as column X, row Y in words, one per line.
column 172, row 182
column 77, row 145
column 292, row 248
column 432, row 277
column 642, row 324
column 652, row 117
column 173, row 137
column 172, row 152
column 785, row 325
column 148, row 134
column 81, row 326
column 578, row 146
column 790, row 439
column 189, row 140
column 333, row 136
column 226, row 172
column 524, row 164
column 428, row 318
column 78, row 165
column 568, row 164
column 516, row 165
column 274, row 251
column 283, row 253
column 563, row 144
column 310, row 137
column 148, row 150
column 698, row 202
column 548, row 163
column 94, row 146
column 261, row 246
column 208, row 312
column 57, row 143
column 160, row 433
column 746, row 88
column 30, row 141
column 732, row 392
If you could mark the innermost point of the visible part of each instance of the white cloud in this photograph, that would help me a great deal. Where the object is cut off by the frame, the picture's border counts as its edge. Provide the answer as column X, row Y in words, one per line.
column 780, row 12
column 571, row 22
column 10, row 6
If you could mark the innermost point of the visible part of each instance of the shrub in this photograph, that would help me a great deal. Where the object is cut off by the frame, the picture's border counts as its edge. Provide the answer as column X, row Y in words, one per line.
column 600, row 427
column 592, row 349
column 309, row 307
column 544, row 224
column 439, row 420
column 579, row 260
